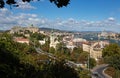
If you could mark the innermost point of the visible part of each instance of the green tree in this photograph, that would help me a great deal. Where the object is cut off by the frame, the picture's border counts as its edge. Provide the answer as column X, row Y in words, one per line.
column 60, row 48
column 77, row 50
column 110, row 50
column 10, row 62
column 84, row 74
column 62, row 51
column 111, row 54
column 114, row 61
column 92, row 63
column 83, row 57
column 37, row 36
column 60, row 70
column 52, row 50
column 45, row 47
column 58, row 3
column 75, row 54
column 15, row 63
column 18, row 35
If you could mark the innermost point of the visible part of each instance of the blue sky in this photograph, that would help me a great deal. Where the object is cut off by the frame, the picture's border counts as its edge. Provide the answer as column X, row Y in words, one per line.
column 79, row 15
column 80, row 9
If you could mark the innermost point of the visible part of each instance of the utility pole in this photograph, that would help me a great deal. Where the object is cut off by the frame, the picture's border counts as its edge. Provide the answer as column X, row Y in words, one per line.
column 89, row 60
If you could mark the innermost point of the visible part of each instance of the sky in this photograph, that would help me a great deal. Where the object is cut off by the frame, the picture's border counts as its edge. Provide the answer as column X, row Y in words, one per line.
column 79, row 15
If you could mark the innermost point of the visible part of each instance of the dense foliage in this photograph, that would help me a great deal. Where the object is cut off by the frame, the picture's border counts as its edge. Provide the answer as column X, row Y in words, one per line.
column 37, row 36
column 18, row 61
column 111, row 50
column 76, row 55
column 111, row 55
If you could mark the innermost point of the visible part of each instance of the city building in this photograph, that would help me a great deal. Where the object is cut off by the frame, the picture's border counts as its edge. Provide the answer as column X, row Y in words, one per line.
column 42, row 42
column 105, row 35
column 53, row 40
column 72, row 41
column 24, row 30
column 95, row 49
column 86, row 47
column 21, row 40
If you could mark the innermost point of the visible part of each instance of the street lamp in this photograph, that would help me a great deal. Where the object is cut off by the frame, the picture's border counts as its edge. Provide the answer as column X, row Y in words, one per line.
column 89, row 59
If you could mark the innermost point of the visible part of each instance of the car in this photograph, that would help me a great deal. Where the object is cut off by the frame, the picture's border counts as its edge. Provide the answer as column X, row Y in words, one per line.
column 95, row 74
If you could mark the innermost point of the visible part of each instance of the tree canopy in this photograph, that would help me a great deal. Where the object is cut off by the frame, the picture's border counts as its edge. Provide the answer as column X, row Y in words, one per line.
column 15, row 62
column 110, row 50
column 58, row 3
column 111, row 55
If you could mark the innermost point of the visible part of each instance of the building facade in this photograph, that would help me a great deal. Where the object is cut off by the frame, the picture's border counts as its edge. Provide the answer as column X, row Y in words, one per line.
column 24, row 30
column 95, row 49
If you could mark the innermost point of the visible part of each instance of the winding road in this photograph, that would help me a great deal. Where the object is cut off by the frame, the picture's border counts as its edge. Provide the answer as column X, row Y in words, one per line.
column 98, row 71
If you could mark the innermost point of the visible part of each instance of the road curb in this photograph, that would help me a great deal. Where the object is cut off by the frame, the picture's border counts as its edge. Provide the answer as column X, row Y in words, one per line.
column 106, row 74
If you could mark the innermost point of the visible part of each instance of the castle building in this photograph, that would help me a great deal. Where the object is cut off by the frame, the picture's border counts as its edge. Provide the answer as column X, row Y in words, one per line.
column 23, row 30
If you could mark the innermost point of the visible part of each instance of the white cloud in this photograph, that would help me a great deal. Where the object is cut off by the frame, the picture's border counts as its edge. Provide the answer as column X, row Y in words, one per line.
column 8, row 21
column 5, row 11
column 84, row 25
column 111, row 19
column 25, row 5
column 22, row 19
column 37, row 0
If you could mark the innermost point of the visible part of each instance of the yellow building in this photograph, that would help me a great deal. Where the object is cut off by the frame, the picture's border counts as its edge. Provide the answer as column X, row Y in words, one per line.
column 95, row 49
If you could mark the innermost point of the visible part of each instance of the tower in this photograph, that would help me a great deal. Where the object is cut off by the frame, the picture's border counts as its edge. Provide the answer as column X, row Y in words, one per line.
column 53, row 39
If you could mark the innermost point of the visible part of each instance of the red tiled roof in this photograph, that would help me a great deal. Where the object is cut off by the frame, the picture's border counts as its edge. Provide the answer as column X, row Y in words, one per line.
column 21, row 39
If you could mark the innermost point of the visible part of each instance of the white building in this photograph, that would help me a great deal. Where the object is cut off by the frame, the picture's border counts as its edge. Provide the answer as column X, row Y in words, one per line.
column 86, row 47
column 42, row 42
column 79, row 40
column 70, row 46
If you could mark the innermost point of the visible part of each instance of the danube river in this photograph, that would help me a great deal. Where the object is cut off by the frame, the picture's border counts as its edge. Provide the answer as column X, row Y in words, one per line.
column 95, row 38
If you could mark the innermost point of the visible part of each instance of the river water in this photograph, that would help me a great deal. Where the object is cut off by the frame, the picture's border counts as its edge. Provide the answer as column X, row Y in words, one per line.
column 95, row 38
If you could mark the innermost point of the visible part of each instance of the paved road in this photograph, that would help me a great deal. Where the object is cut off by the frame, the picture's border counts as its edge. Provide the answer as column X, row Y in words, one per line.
column 69, row 63
column 97, row 72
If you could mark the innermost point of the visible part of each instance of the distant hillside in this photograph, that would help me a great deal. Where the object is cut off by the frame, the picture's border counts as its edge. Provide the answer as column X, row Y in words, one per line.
column 50, row 29
column 58, row 30
column 1, row 31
